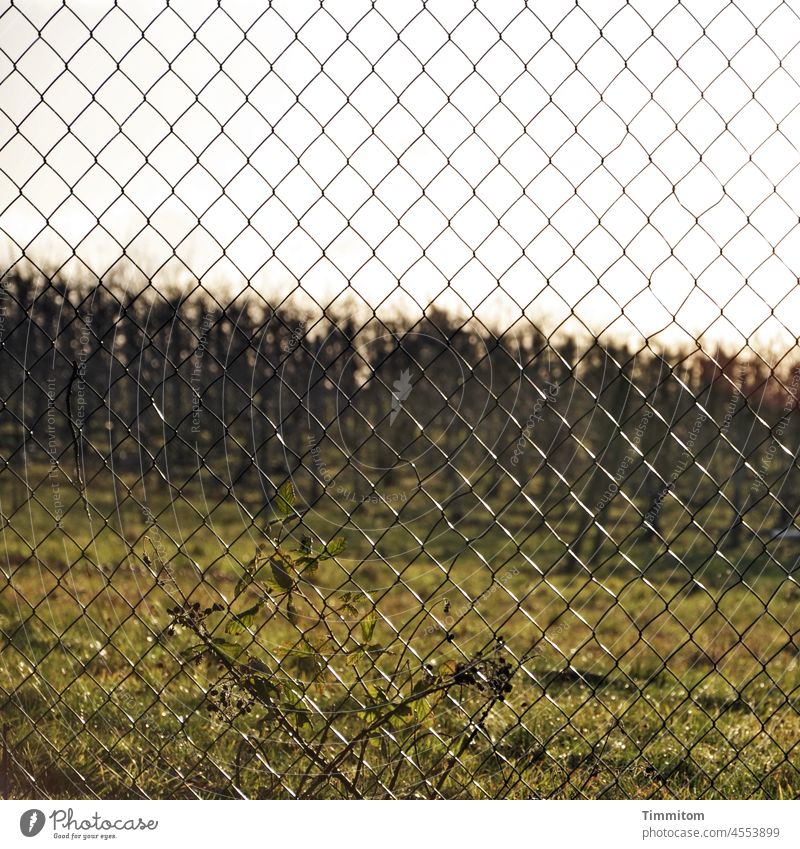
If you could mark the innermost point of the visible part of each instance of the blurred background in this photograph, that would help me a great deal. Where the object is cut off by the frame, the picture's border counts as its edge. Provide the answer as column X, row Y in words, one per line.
column 508, row 291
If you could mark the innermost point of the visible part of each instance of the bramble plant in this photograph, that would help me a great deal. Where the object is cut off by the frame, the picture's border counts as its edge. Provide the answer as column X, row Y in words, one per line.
column 323, row 704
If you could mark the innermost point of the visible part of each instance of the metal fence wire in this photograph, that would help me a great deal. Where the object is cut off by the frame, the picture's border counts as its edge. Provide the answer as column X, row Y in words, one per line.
column 399, row 400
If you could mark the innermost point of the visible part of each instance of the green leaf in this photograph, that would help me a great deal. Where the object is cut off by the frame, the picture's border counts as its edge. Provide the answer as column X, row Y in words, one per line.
column 296, row 713
column 405, row 711
column 348, row 605
column 261, row 680
column 263, row 688
column 298, row 716
column 229, row 648
column 424, row 712
column 306, row 659
column 193, row 652
column 250, row 571
column 243, row 583
column 284, row 500
column 379, row 696
column 368, row 624
column 423, row 704
column 258, row 667
column 282, row 577
column 422, row 684
column 309, row 563
column 379, row 703
column 290, row 610
column 239, row 622
column 333, row 548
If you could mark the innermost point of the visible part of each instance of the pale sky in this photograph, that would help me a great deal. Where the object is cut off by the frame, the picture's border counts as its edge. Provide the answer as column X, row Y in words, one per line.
column 503, row 157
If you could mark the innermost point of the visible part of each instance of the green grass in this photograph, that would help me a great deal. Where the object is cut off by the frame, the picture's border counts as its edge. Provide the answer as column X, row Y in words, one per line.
column 652, row 676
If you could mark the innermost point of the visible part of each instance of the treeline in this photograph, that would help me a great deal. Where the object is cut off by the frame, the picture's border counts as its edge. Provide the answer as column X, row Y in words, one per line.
column 114, row 390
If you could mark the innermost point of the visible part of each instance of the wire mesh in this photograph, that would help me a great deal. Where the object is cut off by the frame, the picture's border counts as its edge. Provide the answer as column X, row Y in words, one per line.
column 399, row 400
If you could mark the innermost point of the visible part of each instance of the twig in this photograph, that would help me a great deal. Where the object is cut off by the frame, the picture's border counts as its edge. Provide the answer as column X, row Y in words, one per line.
column 329, row 769
column 377, row 723
column 464, row 745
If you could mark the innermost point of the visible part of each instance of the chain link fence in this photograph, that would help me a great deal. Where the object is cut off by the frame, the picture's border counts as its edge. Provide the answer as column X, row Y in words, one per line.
column 399, row 399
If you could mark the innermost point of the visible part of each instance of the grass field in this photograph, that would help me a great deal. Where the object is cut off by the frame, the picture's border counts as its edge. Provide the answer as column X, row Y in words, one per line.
column 649, row 675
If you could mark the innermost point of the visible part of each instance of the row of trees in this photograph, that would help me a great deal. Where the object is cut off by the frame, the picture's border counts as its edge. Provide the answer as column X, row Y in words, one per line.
column 438, row 417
